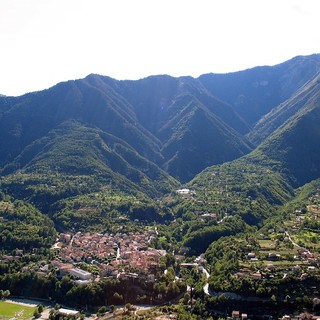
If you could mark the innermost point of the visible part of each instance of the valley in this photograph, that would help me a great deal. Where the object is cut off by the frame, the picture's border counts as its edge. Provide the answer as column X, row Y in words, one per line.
column 196, row 197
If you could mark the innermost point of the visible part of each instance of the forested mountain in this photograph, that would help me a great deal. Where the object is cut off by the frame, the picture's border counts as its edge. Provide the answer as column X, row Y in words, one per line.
column 100, row 161
column 304, row 97
column 295, row 146
column 96, row 102
column 178, row 125
column 255, row 92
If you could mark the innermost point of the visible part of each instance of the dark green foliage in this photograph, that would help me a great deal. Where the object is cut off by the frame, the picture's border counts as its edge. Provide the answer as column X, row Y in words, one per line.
column 78, row 150
column 133, row 137
column 255, row 92
column 200, row 139
column 134, row 128
column 100, row 155
column 200, row 240
column 302, row 196
column 278, row 116
column 295, row 146
column 243, row 186
column 24, row 227
column 107, row 211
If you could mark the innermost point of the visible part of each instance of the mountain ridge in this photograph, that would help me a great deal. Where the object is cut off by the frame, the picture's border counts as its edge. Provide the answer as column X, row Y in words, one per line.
column 179, row 125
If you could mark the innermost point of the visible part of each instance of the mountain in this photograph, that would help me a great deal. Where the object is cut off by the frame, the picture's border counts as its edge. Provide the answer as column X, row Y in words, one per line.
column 32, row 116
column 198, row 139
column 165, row 106
column 99, row 159
column 283, row 112
column 114, row 108
column 149, row 132
column 73, row 148
column 295, row 146
column 255, row 92
column 287, row 155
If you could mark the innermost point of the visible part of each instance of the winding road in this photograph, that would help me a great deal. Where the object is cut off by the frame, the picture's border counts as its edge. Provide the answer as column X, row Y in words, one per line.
column 295, row 244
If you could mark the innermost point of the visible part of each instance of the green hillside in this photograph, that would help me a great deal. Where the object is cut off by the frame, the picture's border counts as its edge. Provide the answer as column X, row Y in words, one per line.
column 282, row 113
column 295, row 146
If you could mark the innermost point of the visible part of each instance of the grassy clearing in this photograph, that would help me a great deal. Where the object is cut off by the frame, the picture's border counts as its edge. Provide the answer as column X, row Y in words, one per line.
column 13, row 310
column 266, row 244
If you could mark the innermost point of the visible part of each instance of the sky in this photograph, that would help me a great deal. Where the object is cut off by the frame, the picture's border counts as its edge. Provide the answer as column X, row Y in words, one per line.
column 44, row 42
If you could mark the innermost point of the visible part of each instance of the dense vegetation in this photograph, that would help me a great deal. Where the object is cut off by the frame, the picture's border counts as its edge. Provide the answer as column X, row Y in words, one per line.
column 23, row 227
column 104, row 156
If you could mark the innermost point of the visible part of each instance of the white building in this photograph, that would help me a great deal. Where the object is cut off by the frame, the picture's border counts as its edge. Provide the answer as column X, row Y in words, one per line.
column 183, row 191
column 83, row 275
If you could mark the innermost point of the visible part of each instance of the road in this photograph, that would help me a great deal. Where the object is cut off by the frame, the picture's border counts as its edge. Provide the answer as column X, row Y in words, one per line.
column 206, row 286
column 228, row 295
column 295, row 244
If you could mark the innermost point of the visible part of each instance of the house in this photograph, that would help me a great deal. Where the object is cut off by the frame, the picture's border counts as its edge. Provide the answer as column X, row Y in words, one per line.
column 190, row 265
column 274, row 256
column 251, row 255
column 209, row 216
column 235, row 315
column 256, row 275
column 244, row 316
column 240, row 275
column 65, row 237
column 82, row 282
column 311, row 268
column 304, row 276
column 183, row 191
column 18, row 252
column 67, row 312
column 270, row 266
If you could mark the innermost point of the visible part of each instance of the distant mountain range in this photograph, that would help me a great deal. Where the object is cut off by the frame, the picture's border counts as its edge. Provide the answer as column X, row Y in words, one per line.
column 153, row 133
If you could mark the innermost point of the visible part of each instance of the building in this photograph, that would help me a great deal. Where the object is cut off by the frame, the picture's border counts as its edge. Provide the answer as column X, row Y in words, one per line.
column 67, row 312
column 183, row 191
column 235, row 315
column 83, row 275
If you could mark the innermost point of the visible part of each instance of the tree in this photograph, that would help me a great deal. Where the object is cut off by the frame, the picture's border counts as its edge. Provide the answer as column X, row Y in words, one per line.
column 102, row 310
column 52, row 314
column 40, row 308
column 128, row 306
column 118, row 298
column 186, row 298
column 36, row 314
column 6, row 294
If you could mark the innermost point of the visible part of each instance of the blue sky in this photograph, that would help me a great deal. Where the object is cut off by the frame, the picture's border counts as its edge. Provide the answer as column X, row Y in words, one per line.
column 44, row 42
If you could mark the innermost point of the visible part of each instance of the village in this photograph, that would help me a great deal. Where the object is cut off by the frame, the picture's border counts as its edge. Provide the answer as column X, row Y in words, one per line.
column 107, row 255
column 288, row 248
column 274, row 253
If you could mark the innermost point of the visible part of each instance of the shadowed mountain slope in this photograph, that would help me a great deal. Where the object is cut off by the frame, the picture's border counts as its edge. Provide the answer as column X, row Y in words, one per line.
column 295, row 147
column 142, row 129
column 255, row 92
column 282, row 113
column 114, row 108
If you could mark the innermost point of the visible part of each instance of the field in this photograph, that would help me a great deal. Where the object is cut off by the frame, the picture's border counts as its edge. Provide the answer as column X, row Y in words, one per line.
column 12, row 310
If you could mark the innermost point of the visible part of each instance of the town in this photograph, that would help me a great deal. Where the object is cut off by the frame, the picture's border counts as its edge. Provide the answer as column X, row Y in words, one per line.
column 119, row 255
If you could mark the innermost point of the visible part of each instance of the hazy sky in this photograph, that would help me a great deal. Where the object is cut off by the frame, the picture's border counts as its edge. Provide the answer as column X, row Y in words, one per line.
column 44, row 42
